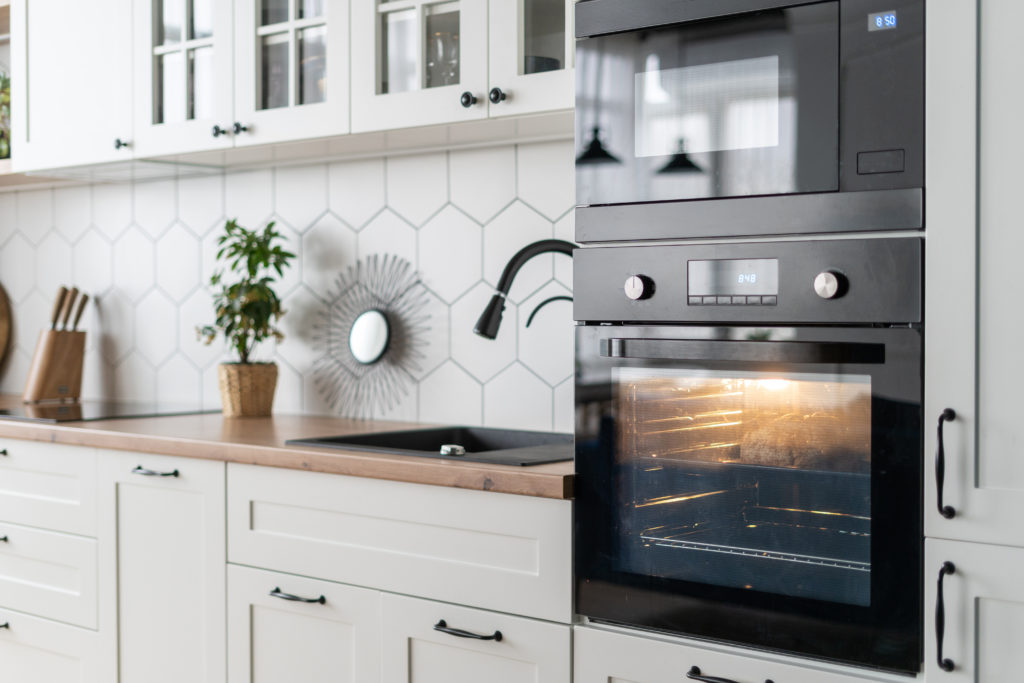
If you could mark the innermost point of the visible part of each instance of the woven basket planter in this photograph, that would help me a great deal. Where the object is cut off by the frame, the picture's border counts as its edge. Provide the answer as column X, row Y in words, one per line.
column 247, row 389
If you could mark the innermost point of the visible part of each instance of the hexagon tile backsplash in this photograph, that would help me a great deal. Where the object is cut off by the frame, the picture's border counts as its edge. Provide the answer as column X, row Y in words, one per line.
column 144, row 251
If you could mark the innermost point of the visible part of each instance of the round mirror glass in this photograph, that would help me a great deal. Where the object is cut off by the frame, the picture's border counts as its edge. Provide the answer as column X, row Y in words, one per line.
column 369, row 337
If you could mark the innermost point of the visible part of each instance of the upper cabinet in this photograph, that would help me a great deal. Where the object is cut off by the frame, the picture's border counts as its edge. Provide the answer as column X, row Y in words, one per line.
column 460, row 60
column 71, row 67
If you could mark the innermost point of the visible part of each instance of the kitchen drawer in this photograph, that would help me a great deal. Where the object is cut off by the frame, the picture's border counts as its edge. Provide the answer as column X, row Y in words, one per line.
column 48, row 486
column 414, row 651
column 493, row 550
column 34, row 650
column 602, row 655
column 48, row 574
column 279, row 638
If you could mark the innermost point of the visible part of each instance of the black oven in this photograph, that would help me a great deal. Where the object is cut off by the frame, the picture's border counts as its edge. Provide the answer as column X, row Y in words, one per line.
column 748, row 117
column 748, row 446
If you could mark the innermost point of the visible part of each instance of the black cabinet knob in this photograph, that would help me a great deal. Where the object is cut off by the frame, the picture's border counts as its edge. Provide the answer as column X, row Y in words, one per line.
column 468, row 99
column 239, row 128
column 119, row 143
column 496, row 95
column 218, row 131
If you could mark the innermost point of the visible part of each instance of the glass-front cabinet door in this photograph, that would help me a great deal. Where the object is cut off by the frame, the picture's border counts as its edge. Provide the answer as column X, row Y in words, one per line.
column 182, row 76
column 291, row 70
column 418, row 63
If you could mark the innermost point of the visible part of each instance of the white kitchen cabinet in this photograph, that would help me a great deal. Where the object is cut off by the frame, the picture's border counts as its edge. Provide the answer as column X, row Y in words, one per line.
column 418, row 63
column 477, row 646
column 984, row 612
column 71, row 67
column 34, row 650
column 973, row 362
column 167, row 517
column 283, row 627
column 48, row 486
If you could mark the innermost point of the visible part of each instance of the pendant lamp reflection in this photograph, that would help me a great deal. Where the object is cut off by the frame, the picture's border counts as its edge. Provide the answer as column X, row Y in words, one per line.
column 680, row 162
column 595, row 153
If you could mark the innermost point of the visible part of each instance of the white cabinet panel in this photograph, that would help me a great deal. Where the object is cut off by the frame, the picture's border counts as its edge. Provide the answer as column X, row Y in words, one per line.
column 984, row 612
column 48, row 486
column 48, row 574
column 414, row 651
column 274, row 639
column 498, row 551
column 170, row 566
column 34, row 650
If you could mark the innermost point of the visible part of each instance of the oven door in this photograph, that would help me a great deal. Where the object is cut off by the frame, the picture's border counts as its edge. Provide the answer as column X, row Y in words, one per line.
column 757, row 486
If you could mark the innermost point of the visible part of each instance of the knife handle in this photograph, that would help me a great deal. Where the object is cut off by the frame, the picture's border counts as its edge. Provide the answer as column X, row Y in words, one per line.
column 81, row 309
column 58, row 305
column 69, row 304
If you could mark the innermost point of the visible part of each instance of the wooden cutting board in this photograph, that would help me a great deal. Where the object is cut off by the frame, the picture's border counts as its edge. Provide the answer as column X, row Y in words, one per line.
column 5, row 323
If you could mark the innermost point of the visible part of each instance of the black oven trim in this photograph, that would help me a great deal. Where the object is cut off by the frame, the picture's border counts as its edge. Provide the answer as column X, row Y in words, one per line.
column 601, row 17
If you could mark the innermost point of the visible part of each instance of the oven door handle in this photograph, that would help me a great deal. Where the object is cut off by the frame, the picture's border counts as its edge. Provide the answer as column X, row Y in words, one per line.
column 744, row 351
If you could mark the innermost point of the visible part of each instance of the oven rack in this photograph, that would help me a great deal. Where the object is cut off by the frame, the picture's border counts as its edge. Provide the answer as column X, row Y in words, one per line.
column 758, row 553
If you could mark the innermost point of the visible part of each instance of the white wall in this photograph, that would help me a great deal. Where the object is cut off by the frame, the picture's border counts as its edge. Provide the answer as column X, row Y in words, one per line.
column 145, row 251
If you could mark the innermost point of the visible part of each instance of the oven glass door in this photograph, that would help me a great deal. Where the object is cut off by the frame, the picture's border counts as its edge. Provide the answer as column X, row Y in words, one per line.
column 754, row 486
column 731, row 107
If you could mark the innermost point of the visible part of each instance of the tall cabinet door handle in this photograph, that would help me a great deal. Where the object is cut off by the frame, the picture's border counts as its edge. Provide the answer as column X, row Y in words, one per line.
column 278, row 593
column 940, row 617
column 694, row 674
column 139, row 469
column 443, row 627
column 947, row 511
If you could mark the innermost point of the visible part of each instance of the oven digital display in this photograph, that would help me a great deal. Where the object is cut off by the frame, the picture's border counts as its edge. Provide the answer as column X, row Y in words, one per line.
column 882, row 21
column 732, row 277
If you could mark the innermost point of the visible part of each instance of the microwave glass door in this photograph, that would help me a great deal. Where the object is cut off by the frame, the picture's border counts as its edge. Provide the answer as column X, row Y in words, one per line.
column 730, row 107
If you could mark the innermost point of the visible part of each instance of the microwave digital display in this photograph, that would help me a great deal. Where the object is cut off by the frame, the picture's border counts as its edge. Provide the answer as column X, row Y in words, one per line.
column 730, row 277
column 882, row 21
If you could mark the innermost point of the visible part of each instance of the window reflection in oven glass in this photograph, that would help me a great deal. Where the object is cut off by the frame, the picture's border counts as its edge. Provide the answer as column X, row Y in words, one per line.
column 748, row 480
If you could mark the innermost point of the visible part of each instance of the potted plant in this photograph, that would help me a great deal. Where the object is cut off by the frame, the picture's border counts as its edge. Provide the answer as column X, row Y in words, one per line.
column 247, row 309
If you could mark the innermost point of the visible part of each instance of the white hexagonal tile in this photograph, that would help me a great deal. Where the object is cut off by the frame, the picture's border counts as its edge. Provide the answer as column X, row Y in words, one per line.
column 483, row 180
column 115, row 325
column 135, row 379
column 72, row 209
column 356, row 190
column 300, row 194
column 17, row 267
column 179, row 381
column 328, row 248
column 302, row 309
column 112, row 208
column 14, row 370
column 417, row 185
column 435, row 348
column 513, row 229
column 156, row 327
column 547, row 345
column 288, row 396
column 565, row 406
column 53, row 263
column 249, row 197
column 388, row 234
column 196, row 311
column 210, row 388
column 35, row 213
column 449, row 395
column 546, row 177
column 201, row 203
column 517, row 399
column 208, row 248
column 565, row 229
column 292, row 276
column 97, row 374
column 8, row 215
column 449, row 253
column 33, row 317
column 92, row 263
column 155, row 205
column 178, row 262
column 313, row 402
column 134, row 263
column 483, row 358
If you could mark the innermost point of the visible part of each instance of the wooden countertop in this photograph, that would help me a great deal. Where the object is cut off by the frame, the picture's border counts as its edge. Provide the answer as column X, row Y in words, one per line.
column 261, row 441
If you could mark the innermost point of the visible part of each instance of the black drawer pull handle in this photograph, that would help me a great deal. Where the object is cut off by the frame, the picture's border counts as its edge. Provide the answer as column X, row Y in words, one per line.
column 442, row 626
column 3, row 451
column 4, row 539
column 940, row 617
column 139, row 469
column 278, row 593
column 694, row 674
column 6, row 625
column 947, row 511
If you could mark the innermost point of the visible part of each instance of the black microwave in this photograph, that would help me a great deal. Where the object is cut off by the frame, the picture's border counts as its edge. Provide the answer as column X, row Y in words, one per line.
column 699, row 118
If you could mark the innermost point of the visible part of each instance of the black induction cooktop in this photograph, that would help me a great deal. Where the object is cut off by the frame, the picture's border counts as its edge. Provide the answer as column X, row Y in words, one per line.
column 84, row 411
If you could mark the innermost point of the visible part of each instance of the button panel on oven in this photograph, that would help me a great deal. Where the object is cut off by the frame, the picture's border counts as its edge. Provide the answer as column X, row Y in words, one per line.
column 733, row 300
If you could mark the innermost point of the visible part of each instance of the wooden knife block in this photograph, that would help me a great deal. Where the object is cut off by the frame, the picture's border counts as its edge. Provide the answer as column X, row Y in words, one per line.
column 56, row 371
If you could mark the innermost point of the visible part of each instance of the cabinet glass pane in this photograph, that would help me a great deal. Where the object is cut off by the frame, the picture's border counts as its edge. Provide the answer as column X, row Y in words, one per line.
column 398, row 52
column 310, row 8
column 201, row 19
column 172, row 17
column 200, row 83
column 442, row 45
column 273, row 12
column 543, row 35
column 170, row 94
column 313, row 65
column 274, row 81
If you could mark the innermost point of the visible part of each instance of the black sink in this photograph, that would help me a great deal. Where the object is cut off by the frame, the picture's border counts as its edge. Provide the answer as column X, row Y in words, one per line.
column 496, row 446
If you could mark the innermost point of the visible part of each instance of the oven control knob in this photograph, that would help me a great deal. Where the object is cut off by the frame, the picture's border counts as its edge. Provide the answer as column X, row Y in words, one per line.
column 829, row 284
column 639, row 287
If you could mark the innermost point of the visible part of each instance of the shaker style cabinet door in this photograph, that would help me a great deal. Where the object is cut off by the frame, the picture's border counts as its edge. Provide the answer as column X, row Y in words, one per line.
column 973, row 364
column 291, row 70
column 34, row 650
column 71, row 67
column 168, row 517
column 418, row 63
column 532, row 47
column 283, row 627
column 980, row 599
column 183, row 77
